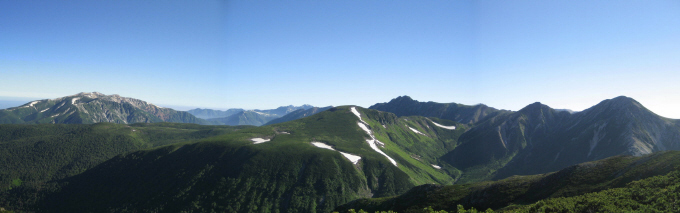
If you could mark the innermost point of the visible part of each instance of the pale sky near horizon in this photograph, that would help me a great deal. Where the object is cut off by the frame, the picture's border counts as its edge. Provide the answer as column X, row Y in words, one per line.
column 265, row 54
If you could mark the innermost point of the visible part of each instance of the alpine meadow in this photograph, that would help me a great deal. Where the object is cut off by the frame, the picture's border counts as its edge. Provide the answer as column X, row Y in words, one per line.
column 339, row 106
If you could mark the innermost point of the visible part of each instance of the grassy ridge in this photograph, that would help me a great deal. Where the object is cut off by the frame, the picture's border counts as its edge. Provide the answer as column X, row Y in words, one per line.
column 228, row 173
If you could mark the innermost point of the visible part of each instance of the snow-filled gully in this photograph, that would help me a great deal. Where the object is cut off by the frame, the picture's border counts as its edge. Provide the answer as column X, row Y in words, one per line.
column 353, row 158
column 373, row 143
column 445, row 127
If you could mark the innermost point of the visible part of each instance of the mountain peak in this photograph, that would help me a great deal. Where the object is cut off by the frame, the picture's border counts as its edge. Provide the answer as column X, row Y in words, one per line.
column 620, row 103
column 534, row 107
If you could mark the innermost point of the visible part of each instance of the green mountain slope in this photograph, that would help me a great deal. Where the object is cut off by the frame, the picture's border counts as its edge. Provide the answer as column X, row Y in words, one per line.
column 307, row 165
column 33, row 155
column 405, row 106
column 87, row 108
column 509, row 194
column 297, row 114
column 538, row 139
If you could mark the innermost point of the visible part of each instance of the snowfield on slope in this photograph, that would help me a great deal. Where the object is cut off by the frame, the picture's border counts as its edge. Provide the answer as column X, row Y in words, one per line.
column 259, row 140
column 445, row 127
column 373, row 143
column 414, row 130
column 436, row 167
column 353, row 158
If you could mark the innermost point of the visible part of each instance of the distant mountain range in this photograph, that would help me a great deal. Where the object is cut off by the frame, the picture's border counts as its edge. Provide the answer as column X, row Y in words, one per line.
column 321, row 159
column 297, row 114
column 539, row 139
column 87, row 108
column 245, row 117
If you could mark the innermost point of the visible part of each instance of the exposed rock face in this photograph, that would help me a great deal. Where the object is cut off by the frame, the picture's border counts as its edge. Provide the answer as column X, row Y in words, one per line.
column 94, row 108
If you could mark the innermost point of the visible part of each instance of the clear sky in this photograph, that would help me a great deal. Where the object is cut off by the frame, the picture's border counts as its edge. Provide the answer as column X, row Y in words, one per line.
column 264, row 54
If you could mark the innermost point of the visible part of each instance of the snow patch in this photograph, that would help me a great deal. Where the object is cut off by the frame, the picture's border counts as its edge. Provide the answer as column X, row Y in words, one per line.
column 323, row 145
column 414, row 130
column 259, row 140
column 436, row 167
column 260, row 113
column 364, row 127
column 285, row 133
column 445, row 127
column 353, row 158
column 44, row 110
column 384, row 126
column 373, row 143
column 32, row 103
column 354, row 110
column 73, row 101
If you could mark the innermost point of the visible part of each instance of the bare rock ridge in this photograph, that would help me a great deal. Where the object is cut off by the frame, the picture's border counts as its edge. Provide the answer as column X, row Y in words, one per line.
column 94, row 107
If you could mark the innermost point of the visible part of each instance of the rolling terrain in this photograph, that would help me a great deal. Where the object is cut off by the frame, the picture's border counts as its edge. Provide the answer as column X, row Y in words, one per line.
column 311, row 164
column 316, row 159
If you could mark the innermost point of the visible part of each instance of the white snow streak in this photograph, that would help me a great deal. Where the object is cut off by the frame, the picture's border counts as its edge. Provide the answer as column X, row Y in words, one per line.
column 354, row 110
column 415, row 130
column 259, row 140
column 73, row 101
column 445, row 127
column 436, row 167
column 322, row 145
column 353, row 158
column 373, row 143
column 44, row 110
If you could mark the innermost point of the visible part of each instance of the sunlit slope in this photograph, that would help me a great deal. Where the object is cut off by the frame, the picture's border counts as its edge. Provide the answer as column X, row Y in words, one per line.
column 282, row 172
column 511, row 193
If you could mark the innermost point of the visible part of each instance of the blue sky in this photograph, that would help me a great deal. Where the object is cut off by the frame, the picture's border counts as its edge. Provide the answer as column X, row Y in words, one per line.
column 264, row 54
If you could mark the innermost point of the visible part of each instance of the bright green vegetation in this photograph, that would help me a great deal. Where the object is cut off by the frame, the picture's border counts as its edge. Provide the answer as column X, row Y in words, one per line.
column 33, row 155
column 607, row 185
column 228, row 173
column 538, row 139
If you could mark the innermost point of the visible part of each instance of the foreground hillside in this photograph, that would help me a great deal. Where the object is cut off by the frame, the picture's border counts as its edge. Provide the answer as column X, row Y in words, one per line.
column 33, row 155
column 623, row 183
column 88, row 108
column 307, row 165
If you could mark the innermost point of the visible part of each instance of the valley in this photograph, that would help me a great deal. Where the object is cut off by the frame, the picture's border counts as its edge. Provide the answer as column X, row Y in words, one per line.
column 403, row 156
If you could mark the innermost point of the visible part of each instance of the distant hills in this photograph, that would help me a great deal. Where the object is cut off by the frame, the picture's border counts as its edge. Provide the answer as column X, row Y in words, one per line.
column 405, row 106
column 245, row 117
column 87, row 108
column 297, row 114
column 400, row 155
